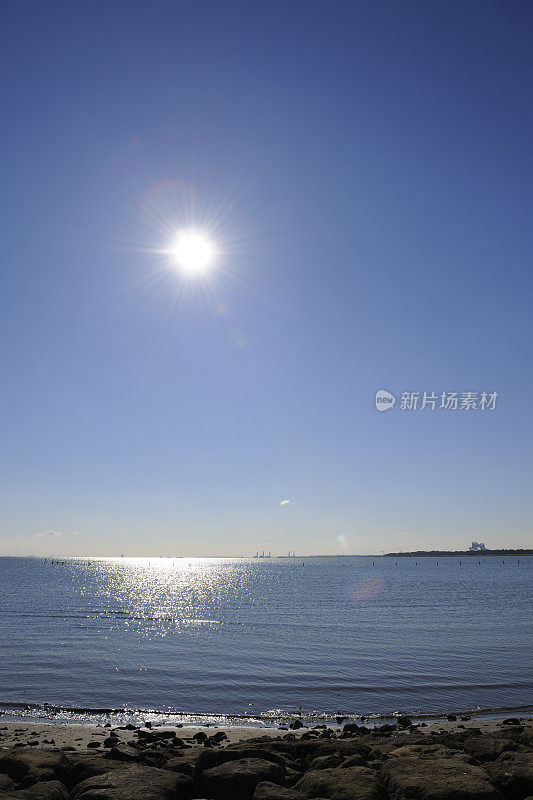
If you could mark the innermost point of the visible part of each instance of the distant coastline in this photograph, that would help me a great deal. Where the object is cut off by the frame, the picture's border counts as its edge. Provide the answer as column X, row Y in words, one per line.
column 475, row 553
column 58, row 557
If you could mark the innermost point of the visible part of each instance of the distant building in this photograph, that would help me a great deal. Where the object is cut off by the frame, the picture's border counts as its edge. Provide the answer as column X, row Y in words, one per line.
column 477, row 547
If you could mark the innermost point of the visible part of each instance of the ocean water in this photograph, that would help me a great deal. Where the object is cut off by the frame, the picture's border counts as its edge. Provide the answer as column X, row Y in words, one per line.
column 264, row 637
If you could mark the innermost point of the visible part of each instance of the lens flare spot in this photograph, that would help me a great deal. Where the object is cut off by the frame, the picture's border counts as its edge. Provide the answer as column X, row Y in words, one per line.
column 237, row 340
column 367, row 590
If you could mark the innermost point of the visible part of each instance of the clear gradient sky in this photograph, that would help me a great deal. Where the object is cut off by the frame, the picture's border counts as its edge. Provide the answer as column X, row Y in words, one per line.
column 365, row 172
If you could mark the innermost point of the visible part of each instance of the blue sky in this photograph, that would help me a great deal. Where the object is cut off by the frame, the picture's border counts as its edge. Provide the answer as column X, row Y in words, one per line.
column 363, row 169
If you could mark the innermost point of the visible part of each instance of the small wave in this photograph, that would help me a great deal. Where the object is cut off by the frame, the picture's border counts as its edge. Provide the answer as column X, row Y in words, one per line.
column 122, row 615
column 273, row 716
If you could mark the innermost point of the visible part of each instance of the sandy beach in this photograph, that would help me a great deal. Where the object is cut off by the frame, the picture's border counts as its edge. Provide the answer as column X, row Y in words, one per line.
column 80, row 736
column 479, row 758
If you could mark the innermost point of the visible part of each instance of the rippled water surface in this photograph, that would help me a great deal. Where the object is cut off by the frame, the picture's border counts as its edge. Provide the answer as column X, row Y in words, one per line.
column 354, row 635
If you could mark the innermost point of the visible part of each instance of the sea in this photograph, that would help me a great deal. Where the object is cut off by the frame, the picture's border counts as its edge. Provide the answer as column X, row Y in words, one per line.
column 248, row 640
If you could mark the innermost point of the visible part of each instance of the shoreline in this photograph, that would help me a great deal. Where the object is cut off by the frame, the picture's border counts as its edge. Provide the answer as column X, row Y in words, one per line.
column 51, row 714
column 96, row 718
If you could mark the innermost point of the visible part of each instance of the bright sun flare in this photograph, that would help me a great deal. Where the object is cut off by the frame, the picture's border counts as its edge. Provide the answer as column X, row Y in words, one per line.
column 193, row 252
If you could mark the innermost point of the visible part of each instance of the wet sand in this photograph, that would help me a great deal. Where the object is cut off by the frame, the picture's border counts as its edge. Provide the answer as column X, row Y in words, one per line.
column 80, row 736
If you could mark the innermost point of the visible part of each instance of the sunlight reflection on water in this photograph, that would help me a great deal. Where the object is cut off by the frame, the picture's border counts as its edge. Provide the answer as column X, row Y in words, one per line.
column 247, row 635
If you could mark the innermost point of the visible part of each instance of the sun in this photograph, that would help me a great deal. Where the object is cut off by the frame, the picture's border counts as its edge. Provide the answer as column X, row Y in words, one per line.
column 193, row 252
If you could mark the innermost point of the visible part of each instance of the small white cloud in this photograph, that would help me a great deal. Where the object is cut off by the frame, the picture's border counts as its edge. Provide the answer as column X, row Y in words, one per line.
column 285, row 502
column 49, row 533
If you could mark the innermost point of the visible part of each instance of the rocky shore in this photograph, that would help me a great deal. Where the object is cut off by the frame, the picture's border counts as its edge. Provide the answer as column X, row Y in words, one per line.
column 455, row 760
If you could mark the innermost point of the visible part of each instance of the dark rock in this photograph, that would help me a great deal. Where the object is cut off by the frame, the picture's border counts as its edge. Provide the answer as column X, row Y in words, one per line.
column 184, row 763
column 93, row 744
column 85, row 765
column 488, row 748
column 296, row 725
column 436, row 778
column 166, row 734
column 404, row 722
column 511, row 721
column 259, row 740
column 356, row 760
column 201, row 736
column 216, row 756
column 148, row 736
column 111, row 740
column 31, row 766
column 513, row 732
column 383, row 749
column 451, row 717
column 6, row 783
column 123, row 752
column 387, row 730
column 46, row 790
column 326, row 762
column 180, row 765
column 423, row 750
column 513, row 774
column 353, row 783
column 526, row 737
column 292, row 776
column 154, row 759
column 134, row 782
column 271, row 791
column 238, row 779
column 350, row 729
column 299, row 753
